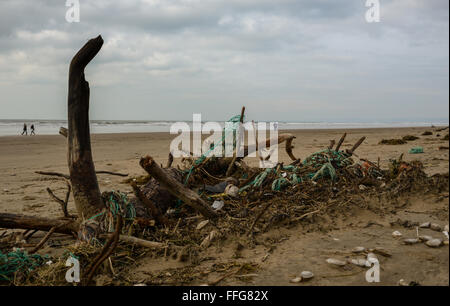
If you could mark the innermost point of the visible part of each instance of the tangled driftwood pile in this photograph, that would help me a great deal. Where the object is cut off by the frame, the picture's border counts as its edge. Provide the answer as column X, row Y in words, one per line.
column 180, row 211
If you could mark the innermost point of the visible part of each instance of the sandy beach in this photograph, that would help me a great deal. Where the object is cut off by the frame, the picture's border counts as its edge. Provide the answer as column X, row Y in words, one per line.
column 357, row 194
column 23, row 191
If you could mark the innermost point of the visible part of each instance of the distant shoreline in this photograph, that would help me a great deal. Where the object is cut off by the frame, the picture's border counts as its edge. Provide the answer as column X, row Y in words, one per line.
column 11, row 127
column 285, row 130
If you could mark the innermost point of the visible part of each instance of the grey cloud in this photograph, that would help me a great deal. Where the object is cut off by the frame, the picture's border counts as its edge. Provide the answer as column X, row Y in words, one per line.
column 287, row 59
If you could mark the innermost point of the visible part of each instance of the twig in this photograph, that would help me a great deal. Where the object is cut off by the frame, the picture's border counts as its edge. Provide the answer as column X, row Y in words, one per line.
column 214, row 283
column 263, row 210
column 357, row 144
column 332, row 142
column 53, row 174
column 305, row 215
column 140, row 242
column 28, row 235
column 106, row 251
column 111, row 266
column 212, row 176
column 238, row 143
column 296, row 162
column 68, row 176
column 289, row 148
column 247, row 275
column 176, row 226
column 111, row 173
column 41, row 243
column 169, row 160
column 61, row 202
column 340, row 142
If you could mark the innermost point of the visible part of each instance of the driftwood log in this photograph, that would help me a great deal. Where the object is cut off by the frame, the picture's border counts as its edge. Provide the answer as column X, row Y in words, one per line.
column 266, row 144
column 83, row 179
column 176, row 188
column 86, row 191
column 149, row 203
column 63, row 226
column 220, row 165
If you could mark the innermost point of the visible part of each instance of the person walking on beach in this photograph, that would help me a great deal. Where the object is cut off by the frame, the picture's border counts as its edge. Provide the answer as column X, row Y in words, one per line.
column 25, row 129
column 32, row 130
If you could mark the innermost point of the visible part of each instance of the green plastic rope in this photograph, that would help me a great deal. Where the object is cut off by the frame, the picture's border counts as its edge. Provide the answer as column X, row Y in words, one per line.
column 323, row 162
column 235, row 120
column 18, row 261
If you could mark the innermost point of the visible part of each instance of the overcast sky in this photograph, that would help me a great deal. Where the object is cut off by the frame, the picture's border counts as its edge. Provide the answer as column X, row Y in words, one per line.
column 286, row 60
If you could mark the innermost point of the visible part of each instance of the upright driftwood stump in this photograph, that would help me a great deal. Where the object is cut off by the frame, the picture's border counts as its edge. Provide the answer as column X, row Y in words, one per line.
column 86, row 192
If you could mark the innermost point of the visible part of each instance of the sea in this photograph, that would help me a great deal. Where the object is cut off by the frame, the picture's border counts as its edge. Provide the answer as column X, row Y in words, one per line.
column 11, row 127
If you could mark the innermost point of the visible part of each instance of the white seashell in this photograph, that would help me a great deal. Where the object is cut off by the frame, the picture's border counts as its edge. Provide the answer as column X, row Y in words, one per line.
column 296, row 280
column 403, row 283
column 445, row 234
column 362, row 187
column 436, row 227
column 446, row 228
column 218, row 205
column 425, row 238
column 410, row 241
column 425, row 225
column 202, row 224
column 434, row 243
column 171, row 211
column 358, row 249
column 208, row 239
column 306, row 275
column 396, row 234
column 336, row 262
column 232, row 191
column 372, row 256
